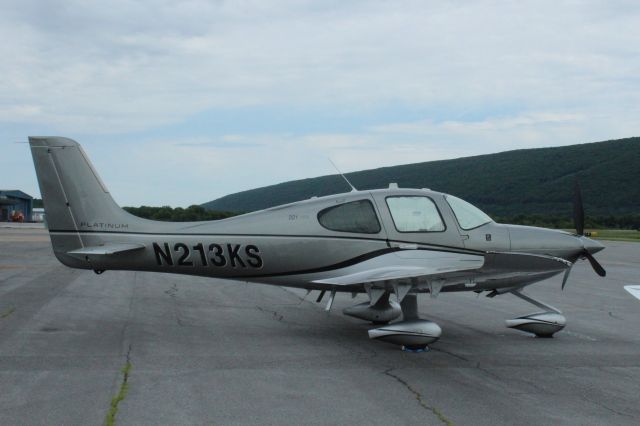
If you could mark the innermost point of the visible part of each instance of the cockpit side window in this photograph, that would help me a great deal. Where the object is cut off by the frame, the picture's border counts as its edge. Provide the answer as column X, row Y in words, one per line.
column 468, row 215
column 415, row 214
column 355, row 216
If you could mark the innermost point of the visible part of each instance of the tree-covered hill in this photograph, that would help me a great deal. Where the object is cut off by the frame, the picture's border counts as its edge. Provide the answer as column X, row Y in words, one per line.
column 178, row 214
column 522, row 182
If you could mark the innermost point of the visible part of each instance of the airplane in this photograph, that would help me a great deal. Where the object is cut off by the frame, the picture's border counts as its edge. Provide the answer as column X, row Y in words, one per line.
column 392, row 244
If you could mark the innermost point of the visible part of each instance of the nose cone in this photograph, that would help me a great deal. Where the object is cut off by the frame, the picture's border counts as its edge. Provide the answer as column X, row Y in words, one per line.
column 551, row 242
column 591, row 246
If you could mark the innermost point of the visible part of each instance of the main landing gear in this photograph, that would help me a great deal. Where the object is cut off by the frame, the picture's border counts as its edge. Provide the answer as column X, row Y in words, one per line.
column 413, row 333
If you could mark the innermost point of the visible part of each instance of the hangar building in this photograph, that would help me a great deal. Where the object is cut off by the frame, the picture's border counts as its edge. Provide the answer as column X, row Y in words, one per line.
column 15, row 201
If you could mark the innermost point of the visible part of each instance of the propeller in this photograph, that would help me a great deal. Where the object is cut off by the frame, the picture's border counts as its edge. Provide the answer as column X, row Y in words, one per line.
column 566, row 276
column 578, row 221
column 594, row 264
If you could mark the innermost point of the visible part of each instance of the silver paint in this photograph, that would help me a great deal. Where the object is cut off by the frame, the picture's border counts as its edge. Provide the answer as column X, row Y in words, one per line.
column 90, row 231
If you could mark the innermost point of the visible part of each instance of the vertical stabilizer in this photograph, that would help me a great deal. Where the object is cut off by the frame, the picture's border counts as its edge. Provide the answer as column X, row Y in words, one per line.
column 74, row 196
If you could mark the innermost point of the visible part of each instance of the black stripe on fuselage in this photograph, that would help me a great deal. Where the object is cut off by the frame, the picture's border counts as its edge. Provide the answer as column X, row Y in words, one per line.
column 339, row 265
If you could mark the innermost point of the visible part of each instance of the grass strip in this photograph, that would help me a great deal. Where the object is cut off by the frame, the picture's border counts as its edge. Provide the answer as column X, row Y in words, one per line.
column 122, row 393
column 7, row 312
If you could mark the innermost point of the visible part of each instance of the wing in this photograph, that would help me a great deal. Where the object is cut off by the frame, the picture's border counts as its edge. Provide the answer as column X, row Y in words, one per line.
column 463, row 269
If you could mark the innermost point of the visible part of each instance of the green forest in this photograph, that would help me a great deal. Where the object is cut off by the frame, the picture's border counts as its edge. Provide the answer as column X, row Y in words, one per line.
column 531, row 186
column 190, row 214
column 526, row 187
column 198, row 213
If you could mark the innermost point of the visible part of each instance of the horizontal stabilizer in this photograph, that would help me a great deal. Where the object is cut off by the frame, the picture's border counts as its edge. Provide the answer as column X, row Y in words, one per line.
column 106, row 249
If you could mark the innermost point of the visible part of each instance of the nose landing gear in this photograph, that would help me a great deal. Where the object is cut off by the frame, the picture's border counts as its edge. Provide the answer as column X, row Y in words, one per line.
column 542, row 324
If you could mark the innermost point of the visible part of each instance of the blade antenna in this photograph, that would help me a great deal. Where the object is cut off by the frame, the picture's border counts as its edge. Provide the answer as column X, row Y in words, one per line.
column 353, row 188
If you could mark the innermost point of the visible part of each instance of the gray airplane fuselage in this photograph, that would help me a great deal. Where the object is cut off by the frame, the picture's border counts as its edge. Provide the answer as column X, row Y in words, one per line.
column 299, row 244
column 287, row 245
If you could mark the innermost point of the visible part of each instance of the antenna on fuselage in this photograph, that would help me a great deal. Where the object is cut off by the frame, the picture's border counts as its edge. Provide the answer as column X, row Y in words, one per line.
column 353, row 188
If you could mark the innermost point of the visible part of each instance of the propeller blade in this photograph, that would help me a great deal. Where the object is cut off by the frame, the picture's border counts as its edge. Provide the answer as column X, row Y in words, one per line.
column 566, row 276
column 594, row 264
column 578, row 209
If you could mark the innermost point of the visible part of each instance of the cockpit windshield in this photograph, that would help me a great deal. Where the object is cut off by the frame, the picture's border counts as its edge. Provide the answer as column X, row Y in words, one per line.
column 468, row 215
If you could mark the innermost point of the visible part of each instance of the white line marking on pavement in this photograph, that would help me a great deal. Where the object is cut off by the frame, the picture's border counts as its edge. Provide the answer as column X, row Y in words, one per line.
column 634, row 290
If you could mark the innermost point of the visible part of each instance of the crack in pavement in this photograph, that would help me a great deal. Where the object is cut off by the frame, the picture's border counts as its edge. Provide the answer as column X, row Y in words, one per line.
column 602, row 405
column 543, row 390
column 124, row 384
column 275, row 314
column 489, row 373
column 519, row 380
column 435, row 411
column 606, row 407
column 172, row 292
column 347, row 344
column 122, row 392
column 460, row 357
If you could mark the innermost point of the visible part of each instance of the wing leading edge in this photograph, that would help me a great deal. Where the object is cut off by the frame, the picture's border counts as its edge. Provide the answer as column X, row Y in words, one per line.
column 460, row 269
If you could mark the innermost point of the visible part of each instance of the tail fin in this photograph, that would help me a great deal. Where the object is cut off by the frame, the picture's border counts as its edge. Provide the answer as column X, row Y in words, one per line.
column 74, row 196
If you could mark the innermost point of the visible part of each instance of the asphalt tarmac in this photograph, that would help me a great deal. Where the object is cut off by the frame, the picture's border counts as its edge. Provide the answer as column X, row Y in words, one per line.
column 204, row 351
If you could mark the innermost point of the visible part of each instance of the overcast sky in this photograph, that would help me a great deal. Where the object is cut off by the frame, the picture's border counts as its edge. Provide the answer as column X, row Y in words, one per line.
column 181, row 102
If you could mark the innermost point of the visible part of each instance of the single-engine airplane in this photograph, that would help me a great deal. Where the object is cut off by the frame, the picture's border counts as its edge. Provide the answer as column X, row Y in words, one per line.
column 391, row 244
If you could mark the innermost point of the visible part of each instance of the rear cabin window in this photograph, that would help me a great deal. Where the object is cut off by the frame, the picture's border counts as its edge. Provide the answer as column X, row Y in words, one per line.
column 415, row 214
column 356, row 216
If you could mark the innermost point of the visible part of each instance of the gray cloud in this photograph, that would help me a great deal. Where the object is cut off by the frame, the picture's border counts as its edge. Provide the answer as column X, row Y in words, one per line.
column 130, row 65
column 534, row 73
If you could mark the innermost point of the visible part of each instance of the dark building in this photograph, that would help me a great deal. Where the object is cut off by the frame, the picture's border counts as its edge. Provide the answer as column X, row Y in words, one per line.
column 15, row 201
